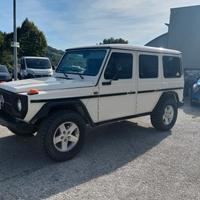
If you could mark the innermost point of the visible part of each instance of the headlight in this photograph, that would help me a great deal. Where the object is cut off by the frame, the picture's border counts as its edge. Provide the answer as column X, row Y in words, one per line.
column 19, row 105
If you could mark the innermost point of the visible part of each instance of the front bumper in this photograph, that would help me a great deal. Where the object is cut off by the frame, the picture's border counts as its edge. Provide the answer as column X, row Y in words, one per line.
column 14, row 123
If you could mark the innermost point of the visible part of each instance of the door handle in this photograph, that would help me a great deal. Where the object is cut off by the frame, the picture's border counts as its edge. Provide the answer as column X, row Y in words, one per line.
column 106, row 83
column 96, row 93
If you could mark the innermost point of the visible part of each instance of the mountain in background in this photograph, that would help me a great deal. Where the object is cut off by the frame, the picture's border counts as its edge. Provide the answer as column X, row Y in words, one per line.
column 54, row 55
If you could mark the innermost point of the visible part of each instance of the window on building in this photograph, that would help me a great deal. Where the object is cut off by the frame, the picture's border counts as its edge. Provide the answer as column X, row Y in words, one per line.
column 148, row 66
column 172, row 67
column 120, row 66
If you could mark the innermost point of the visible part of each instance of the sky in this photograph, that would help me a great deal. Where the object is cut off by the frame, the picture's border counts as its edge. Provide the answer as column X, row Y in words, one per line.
column 72, row 23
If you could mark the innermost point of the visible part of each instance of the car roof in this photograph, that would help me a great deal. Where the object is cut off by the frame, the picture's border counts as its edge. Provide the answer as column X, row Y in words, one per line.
column 131, row 47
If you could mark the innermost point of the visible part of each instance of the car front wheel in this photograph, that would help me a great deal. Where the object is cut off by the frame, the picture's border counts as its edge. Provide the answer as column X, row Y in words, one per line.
column 63, row 135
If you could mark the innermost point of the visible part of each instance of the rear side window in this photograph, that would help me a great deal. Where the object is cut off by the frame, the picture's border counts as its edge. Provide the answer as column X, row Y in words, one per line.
column 120, row 66
column 148, row 66
column 172, row 67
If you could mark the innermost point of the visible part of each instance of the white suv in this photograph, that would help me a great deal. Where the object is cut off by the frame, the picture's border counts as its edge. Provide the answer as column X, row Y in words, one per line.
column 92, row 86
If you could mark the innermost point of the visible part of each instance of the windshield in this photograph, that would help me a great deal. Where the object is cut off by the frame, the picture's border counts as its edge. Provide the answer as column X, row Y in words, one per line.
column 3, row 69
column 84, row 62
column 38, row 63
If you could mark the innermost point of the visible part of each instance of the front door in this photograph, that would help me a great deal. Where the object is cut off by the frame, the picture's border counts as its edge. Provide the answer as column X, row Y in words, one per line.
column 117, row 89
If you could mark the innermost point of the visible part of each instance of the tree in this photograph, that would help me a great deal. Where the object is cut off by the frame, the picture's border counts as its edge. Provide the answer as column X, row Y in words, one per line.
column 1, row 45
column 32, row 43
column 32, row 40
column 5, row 49
column 114, row 41
column 1, row 39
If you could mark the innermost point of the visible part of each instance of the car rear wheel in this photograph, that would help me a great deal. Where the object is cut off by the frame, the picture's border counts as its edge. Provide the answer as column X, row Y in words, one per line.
column 164, row 116
column 63, row 135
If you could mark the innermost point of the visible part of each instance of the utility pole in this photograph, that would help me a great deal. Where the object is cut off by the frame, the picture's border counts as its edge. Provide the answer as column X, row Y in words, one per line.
column 15, row 44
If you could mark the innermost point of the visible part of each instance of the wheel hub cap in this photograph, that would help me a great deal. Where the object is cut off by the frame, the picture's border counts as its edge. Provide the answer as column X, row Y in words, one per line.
column 168, row 115
column 66, row 136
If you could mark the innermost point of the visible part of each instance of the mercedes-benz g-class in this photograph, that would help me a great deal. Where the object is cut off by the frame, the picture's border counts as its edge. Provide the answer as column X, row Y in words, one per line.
column 92, row 86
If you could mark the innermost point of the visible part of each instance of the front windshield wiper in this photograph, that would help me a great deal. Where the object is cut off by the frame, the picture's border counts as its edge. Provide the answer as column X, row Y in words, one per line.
column 66, row 75
column 81, row 76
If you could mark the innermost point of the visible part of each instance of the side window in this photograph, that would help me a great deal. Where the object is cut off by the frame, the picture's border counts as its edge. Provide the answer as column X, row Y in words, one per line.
column 148, row 66
column 120, row 66
column 172, row 67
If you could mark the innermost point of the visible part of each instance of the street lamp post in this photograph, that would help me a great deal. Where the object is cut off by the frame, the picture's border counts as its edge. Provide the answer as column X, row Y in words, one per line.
column 15, row 44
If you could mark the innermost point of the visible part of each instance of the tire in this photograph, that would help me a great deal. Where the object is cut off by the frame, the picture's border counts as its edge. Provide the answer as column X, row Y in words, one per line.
column 22, row 133
column 19, row 77
column 29, row 76
column 161, row 120
column 59, row 144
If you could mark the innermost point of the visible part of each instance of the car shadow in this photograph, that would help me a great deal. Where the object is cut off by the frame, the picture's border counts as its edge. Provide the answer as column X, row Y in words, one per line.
column 194, row 111
column 26, row 171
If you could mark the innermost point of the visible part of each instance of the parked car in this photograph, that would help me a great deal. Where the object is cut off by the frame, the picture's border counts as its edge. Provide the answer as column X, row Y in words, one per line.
column 195, row 93
column 33, row 67
column 5, row 75
column 93, row 86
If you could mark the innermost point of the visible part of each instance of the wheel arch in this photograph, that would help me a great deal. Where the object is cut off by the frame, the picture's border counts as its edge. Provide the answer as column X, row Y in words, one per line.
column 167, row 95
column 51, row 107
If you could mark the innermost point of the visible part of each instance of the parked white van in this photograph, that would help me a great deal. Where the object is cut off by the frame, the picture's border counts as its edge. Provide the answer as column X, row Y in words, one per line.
column 33, row 67
column 93, row 86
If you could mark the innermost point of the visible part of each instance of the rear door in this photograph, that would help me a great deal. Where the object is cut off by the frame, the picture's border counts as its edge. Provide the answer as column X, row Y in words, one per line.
column 148, row 82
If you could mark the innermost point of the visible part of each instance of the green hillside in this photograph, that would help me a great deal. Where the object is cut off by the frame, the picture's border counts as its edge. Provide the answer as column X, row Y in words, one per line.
column 54, row 55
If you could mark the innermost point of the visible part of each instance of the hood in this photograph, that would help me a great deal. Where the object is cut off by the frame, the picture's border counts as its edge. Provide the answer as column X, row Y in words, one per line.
column 45, row 84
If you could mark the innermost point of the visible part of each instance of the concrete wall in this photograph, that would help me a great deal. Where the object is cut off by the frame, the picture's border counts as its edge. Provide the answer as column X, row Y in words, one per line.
column 184, row 34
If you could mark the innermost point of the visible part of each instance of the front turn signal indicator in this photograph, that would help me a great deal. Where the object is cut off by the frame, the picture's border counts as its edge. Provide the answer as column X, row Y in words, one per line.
column 33, row 92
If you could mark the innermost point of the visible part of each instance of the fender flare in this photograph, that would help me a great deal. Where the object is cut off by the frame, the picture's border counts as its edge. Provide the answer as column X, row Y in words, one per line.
column 72, row 105
column 168, row 94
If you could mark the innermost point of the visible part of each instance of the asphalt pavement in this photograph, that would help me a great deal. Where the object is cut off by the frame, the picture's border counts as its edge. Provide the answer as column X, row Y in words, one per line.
column 125, row 160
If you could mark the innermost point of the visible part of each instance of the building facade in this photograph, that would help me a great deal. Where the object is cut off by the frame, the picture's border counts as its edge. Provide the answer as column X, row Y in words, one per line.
column 183, row 35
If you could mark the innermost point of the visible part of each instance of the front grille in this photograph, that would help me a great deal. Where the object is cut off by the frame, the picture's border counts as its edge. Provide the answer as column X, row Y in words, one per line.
column 9, row 104
column 40, row 76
